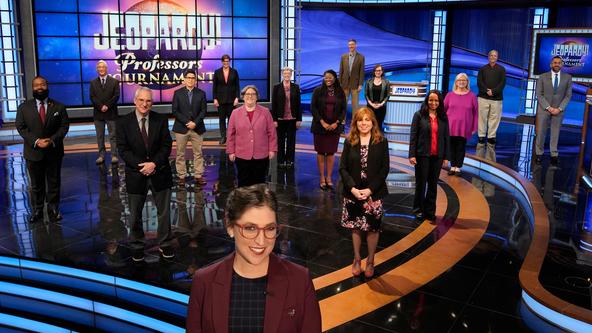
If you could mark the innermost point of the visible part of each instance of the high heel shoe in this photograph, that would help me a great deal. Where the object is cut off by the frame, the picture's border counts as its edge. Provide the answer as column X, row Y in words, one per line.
column 357, row 267
column 329, row 186
column 369, row 271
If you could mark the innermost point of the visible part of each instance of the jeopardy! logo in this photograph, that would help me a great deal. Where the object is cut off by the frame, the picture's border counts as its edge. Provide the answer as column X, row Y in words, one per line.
column 404, row 91
column 573, row 53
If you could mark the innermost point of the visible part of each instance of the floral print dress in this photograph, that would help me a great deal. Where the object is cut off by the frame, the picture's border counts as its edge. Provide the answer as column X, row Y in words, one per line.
column 362, row 215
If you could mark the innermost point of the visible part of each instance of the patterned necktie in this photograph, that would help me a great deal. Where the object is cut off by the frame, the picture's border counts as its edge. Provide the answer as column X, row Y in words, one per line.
column 144, row 132
column 555, row 83
column 42, row 112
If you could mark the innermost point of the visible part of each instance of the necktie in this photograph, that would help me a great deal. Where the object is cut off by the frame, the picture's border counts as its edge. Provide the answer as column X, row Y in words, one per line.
column 42, row 112
column 555, row 83
column 103, row 82
column 144, row 133
column 190, row 94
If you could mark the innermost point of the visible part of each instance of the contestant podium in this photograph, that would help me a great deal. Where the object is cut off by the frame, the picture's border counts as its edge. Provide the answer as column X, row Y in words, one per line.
column 405, row 99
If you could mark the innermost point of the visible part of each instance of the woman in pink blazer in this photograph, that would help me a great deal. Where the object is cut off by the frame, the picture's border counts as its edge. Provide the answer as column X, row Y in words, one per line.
column 251, row 139
column 253, row 290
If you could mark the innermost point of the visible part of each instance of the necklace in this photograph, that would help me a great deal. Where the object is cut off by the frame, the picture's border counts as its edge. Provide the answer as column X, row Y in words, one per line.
column 331, row 91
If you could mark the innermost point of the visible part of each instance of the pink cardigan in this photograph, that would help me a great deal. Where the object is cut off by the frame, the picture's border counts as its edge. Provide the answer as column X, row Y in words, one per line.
column 251, row 139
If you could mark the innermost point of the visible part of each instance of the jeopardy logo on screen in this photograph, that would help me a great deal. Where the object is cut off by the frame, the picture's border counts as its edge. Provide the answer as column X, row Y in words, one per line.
column 155, row 49
column 572, row 52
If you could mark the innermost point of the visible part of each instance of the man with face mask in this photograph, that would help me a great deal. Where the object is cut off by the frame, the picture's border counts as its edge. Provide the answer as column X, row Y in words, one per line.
column 43, row 123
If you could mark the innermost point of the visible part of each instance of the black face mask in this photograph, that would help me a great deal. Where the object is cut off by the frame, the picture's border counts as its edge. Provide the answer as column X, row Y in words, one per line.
column 41, row 94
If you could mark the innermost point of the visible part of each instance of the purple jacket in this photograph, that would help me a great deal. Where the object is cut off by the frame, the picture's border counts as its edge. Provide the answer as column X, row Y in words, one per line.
column 251, row 139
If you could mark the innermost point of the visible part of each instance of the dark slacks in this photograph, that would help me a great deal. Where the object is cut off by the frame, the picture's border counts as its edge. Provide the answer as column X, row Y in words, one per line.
column 286, row 134
column 162, row 201
column 380, row 114
column 427, row 171
column 251, row 172
column 224, row 112
column 45, row 176
column 457, row 151
column 100, row 129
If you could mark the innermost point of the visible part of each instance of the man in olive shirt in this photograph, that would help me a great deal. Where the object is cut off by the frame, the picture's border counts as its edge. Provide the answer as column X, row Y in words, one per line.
column 491, row 81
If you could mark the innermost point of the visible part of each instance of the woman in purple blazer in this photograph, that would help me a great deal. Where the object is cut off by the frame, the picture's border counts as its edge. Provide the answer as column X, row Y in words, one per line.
column 251, row 139
column 253, row 290
column 462, row 110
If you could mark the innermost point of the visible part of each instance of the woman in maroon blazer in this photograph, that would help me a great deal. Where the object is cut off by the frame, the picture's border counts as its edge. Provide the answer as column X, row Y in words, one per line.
column 253, row 290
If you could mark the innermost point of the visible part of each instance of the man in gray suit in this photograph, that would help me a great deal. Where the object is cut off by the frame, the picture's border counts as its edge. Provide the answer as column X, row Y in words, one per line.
column 553, row 93
column 351, row 73
column 104, row 94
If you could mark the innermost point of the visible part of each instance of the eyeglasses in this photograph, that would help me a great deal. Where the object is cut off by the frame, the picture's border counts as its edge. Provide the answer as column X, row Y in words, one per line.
column 190, row 78
column 250, row 94
column 251, row 231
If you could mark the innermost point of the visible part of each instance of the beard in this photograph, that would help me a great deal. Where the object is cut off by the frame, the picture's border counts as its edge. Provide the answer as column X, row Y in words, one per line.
column 41, row 94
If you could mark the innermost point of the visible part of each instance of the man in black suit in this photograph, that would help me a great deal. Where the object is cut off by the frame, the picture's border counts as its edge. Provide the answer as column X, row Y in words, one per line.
column 43, row 123
column 104, row 94
column 189, row 109
column 226, row 89
column 144, row 143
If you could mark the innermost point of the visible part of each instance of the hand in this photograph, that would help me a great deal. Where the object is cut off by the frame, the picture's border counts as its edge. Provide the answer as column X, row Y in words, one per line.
column 191, row 125
column 216, row 104
column 147, row 168
column 104, row 108
column 235, row 103
column 271, row 155
column 489, row 92
column 359, row 88
column 445, row 163
column 43, row 143
column 365, row 193
column 275, row 124
column 231, row 157
column 357, row 194
column 412, row 160
column 298, row 124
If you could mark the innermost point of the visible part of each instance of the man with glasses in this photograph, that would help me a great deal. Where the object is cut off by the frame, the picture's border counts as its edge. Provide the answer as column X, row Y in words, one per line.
column 351, row 73
column 189, row 110
column 226, row 89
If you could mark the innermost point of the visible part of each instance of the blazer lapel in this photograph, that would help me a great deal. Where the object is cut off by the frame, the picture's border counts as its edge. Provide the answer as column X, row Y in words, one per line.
column 221, row 296
column 277, row 290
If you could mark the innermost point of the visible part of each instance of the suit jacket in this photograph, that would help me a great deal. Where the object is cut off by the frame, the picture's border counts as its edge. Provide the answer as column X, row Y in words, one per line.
column 278, row 101
column 185, row 111
column 108, row 95
column 131, row 148
column 355, row 78
column 545, row 95
column 317, row 109
column 350, row 168
column 251, row 139
column 226, row 92
column 29, row 125
column 291, row 304
column 420, row 140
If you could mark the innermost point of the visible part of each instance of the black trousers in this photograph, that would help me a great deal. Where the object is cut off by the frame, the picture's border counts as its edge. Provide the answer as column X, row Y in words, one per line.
column 380, row 114
column 457, row 150
column 224, row 112
column 427, row 171
column 251, row 172
column 45, row 178
column 286, row 134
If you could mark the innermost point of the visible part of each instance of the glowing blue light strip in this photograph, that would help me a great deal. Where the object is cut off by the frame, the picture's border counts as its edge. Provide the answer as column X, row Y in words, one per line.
column 89, row 306
column 96, row 277
column 558, row 319
column 30, row 325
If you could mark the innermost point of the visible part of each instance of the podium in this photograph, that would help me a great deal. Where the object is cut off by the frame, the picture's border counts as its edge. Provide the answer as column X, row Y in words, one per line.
column 405, row 99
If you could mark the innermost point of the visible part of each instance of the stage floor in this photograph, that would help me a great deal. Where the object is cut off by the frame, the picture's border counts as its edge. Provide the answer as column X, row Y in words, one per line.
column 459, row 274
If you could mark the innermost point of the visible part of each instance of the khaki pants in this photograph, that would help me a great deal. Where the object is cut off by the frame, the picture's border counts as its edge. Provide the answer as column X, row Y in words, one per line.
column 490, row 115
column 198, row 162
column 354, row 100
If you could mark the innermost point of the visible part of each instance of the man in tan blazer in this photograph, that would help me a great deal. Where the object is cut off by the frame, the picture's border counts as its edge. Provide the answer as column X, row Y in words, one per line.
column 351, row 73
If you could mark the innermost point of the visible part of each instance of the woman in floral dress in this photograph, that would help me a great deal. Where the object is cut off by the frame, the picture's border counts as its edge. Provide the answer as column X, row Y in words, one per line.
column 364, row 166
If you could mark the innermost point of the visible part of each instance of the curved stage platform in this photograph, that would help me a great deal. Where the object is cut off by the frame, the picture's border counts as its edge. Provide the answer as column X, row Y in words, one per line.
column 498, row 258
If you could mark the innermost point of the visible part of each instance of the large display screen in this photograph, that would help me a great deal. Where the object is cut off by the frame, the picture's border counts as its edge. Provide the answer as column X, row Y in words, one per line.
column 572, row 45
column 149, row 43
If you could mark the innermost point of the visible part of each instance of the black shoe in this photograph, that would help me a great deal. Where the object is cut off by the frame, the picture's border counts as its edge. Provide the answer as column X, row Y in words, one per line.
column 166, row 252
column 554, row 160
column 54, row 215
column 430, row 217
column 482, row 139
column 289, row 165
column 222, row 141
column 538, row 159
column 491, row 141
column 451, row 172
column 35, row 217
column 281, row 165
column 419, row 217
column 138, row 255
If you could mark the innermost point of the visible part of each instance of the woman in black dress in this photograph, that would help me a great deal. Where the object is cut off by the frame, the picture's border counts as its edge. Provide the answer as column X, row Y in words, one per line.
column 328, row 107
column 429, row 146
column 364, row 166
column 377, row 93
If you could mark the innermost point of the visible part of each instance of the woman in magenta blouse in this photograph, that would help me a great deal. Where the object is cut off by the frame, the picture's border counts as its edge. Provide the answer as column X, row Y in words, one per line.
column 251, row 139
column 462, row 111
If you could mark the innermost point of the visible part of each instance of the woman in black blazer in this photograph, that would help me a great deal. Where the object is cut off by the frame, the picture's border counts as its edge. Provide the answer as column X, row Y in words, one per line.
column 364, row 166
column 429, row 146
column 287, row 117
